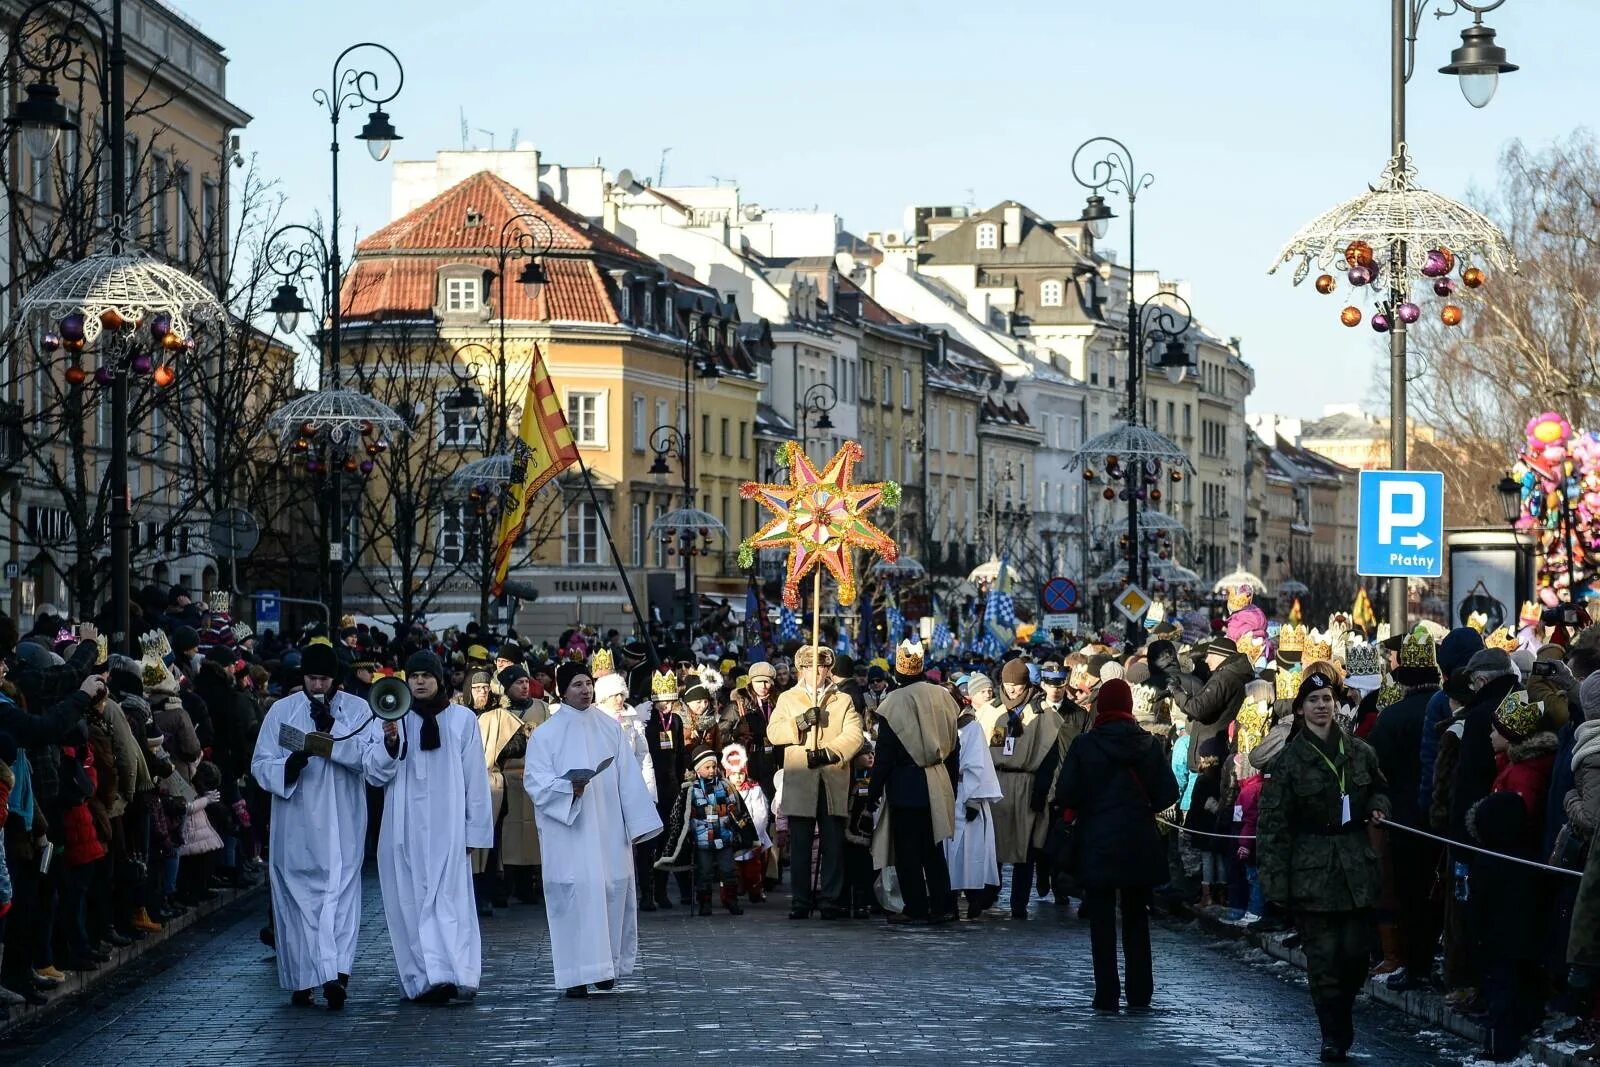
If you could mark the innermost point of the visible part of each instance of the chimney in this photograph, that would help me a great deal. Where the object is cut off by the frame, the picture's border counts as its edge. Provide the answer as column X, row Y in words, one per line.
column 1011, row 236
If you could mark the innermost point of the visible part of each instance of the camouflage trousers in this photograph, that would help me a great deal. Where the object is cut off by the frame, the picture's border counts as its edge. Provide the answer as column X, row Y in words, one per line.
column 1338, row 946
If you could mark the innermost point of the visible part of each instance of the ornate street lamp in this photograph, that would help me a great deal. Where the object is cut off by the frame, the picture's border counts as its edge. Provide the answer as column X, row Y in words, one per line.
column 1510, row 492
column 1478, row 62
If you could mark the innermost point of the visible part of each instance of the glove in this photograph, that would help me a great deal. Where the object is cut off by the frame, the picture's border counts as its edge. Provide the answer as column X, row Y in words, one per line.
column 296, row 763
column 973, row 812
column 808, row 718
column 820, row 757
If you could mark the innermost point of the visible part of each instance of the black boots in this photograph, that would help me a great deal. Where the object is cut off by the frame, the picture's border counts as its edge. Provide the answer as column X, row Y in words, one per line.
column 1338, row 1028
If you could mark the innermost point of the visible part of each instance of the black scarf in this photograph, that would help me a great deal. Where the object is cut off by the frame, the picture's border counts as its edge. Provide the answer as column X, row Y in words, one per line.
column 429, row 710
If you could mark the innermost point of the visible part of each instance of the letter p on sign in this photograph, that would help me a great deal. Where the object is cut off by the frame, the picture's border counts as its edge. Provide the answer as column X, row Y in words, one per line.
column 1401, row 506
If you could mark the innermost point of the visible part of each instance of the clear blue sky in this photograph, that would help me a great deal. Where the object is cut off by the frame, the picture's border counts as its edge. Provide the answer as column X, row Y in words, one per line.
column 1253, row 115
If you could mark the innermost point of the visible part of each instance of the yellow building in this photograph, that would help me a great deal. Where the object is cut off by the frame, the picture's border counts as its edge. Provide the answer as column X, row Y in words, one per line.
column 638, row 355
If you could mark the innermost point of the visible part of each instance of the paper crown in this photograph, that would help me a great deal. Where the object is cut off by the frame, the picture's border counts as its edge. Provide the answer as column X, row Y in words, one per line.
column 1478, row 621
column 1250, row 647
column 477, row 654
column 602, row 661
column 1319, row 646
column 1254, row 719
column 219, row 601
column 1389, row 692
column 1517, row 717
column 664, row 685
column 712, row 679
column 1288, row 683
column 1529, row 615
column 1501, row 638
column 1241, row 596
column 1362, row 660
column 242, row 632
column 346, row 621
column 1291, row 638
column 1144, row 702
column 908, row 659
column 154, row 645
column 1417, row 650
column 102, row 650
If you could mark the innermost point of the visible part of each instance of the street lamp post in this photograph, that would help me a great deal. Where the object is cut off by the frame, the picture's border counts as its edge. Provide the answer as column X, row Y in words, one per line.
column 665, row 442
column 528, row 237
column 818, row 400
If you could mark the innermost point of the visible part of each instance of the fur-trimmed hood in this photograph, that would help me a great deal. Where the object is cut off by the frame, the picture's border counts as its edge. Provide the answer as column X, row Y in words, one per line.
column 1543, row 743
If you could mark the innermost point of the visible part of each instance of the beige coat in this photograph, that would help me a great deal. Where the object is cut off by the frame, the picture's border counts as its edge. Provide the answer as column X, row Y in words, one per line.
column 519, row 837
column 923, row 718
column 1017, row 827
column 839, row 732
column 496, row 727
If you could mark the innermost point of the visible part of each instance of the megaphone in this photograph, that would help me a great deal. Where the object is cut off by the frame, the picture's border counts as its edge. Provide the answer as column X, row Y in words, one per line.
column 389, row 699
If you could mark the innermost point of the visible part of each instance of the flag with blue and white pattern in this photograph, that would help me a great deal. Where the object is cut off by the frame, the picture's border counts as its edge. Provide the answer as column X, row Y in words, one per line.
column 999, row 615
column 788, row 625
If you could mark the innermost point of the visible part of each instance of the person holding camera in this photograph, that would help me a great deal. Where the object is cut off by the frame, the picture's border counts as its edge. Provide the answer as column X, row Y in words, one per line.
column 818, row 731
column 317, row 829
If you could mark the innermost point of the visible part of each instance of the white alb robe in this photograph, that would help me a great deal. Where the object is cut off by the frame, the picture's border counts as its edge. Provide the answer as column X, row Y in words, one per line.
column 435, row 807
column 588, row 842
column 970, row 854
column 317, row 838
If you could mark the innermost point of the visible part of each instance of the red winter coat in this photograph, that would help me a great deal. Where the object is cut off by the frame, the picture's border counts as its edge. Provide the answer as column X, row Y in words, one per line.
column 83, row 842
column 1250, row 805
column 1524, row 769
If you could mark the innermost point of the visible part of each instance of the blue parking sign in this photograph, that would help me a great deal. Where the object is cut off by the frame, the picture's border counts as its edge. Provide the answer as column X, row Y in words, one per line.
column 1400, row 524
column 268, row 610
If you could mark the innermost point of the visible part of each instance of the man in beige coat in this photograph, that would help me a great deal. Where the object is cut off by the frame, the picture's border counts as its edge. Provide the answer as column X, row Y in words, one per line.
column 819, row 732
column 1025, row 745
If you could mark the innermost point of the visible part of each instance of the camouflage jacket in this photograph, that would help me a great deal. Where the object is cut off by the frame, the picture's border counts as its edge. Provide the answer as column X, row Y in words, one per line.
column 1308, row 861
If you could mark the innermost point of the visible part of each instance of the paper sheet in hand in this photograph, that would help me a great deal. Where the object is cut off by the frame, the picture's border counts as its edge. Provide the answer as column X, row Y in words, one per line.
column 291, row 739
column 582, row 775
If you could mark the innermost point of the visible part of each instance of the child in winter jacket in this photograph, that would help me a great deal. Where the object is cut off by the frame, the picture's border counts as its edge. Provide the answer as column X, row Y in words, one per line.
column 715, row 813
column 750, row 863
column 201, row 842
column 1249, row 809
column 858, row 873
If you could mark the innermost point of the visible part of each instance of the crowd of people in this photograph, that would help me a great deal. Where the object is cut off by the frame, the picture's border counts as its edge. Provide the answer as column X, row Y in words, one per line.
column 1417, row 807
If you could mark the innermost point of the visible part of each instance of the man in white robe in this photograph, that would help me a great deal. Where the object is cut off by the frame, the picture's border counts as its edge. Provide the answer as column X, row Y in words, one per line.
column 318, row 828
column 970, row 853
column 435, row 809
column 587, row 831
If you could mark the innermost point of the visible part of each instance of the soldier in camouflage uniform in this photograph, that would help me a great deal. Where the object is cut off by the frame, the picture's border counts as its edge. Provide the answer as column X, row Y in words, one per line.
column 1315, row 857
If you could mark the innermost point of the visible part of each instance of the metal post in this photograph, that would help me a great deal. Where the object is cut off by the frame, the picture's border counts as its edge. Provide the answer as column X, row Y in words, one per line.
column 1399, row 16
column 1135, row 572
column 121, row 505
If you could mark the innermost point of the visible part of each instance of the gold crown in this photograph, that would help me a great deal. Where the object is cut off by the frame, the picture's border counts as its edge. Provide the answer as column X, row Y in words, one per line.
column 1502, row 638
column 1389, row 693
column 154, row 644
column 1518, row 717
column 153, row 673
column 1319, row 646
column 908, row 659
column 1288, row 683
column 1250, row 647
column 1362, row 660
column 1254, row 719
column 1416, row 650
column 346, row 621
column 602, row 661
column 1478, row 621
column 664, row 685
column 219, row 601
column 1291, row 638
column 102, row 650
column 1529, row 615
column 1241, row 596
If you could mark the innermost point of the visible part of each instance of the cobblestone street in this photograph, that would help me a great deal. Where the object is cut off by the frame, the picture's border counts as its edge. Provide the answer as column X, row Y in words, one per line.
column 755, row 989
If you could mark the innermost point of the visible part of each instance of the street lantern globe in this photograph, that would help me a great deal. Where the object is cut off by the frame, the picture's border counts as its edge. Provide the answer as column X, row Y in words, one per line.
column 1097, row 215
column 659, row 468
column 532, row 279
column 1510, row 491
column 1175, row 361
column 288, row 307
column 1478, row 63
column 379, row 133
column 824, row 423
column 41, row 116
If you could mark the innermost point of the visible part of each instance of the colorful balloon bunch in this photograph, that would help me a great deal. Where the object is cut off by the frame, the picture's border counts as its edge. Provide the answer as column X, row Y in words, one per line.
column 1362, row 269
column 1558, row 472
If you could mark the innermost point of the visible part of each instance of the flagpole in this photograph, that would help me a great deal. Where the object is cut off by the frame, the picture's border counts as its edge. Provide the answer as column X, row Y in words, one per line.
column 605, row 528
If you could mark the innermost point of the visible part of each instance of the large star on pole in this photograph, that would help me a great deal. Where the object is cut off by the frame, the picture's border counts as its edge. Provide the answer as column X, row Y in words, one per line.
column 819, row 516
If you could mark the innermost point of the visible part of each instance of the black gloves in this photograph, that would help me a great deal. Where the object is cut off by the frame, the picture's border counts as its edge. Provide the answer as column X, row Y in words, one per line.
column 820, row 757
column 973, row 813
column 296, row 763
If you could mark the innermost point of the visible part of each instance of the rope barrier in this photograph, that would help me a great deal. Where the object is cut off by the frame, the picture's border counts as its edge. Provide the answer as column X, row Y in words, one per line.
column 1392, row 825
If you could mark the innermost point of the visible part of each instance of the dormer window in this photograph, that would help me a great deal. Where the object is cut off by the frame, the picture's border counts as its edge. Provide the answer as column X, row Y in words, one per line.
column 988, row 236
column 1050, row 294
column 462, row 294
column 474, row 218
column 649, row 318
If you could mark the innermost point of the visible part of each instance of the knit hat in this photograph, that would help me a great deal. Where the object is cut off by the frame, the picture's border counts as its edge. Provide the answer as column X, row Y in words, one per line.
column 700, row 755
column 321, row 660
column 1312, row 683
column 569, row 672
column 763, row 670
column 696, row 691
column 1015, row 672
column 1517, row 718
column 1114, row 699
column 185, row 639
column 1489, row 660
column 609, row 686
column 979, row 683
column 514, row 673
column 734, row 757
column 422, row 662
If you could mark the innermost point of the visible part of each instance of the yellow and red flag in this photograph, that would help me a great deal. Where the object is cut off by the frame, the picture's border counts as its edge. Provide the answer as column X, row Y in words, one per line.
column 543, row 449
column 1361, row 612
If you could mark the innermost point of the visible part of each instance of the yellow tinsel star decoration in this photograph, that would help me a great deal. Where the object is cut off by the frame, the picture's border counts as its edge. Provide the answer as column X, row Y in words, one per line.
column 820, row 516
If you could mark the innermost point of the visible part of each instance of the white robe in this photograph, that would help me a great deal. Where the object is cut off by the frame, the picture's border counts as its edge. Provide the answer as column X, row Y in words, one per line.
column 588, row 841
column 971, row 853
column 634, row 728
column 435, row 807
column 317, row 839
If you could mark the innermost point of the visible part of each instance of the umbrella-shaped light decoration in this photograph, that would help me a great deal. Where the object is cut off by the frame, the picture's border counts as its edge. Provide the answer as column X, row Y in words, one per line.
column 820, row 517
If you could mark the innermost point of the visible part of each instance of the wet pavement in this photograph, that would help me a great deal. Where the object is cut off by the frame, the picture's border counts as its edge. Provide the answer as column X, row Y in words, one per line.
column 756, row 989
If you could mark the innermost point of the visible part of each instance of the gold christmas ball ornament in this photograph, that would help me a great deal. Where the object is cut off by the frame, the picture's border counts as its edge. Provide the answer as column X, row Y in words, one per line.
column 1325, row 284
column 1473, row 277
column 1358, row 254
column 1350, row 316
column 1451, row 315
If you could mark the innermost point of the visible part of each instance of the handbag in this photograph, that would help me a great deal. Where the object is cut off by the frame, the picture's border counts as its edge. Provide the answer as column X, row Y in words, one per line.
column 1571, row 850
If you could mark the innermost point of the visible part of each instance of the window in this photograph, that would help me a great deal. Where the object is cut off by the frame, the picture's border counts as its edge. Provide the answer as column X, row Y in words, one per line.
column 1077, row 431
column 638, row 533
column 905, row 387
column 1050, row 294
column 726, row 451
column 988, row 236
column 705, row 435
column 933, row 431
column 638, row 425
column 889, row 471
column 951, row 441
column 663, row 413
column 160, row 221
column 866, row 379
column 209, row 198
column 461, row 294
column 452, row 543
column 185, row 223
column 968, row 439
column 131, row 175
column 583, row 534
column 744, row 440
column 458, row 426
column 587, row 414
column 102, row 170
column 887, row 396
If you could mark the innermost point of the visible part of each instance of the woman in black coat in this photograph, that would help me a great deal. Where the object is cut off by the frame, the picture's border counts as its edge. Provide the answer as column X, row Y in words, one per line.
column 1114, row 780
